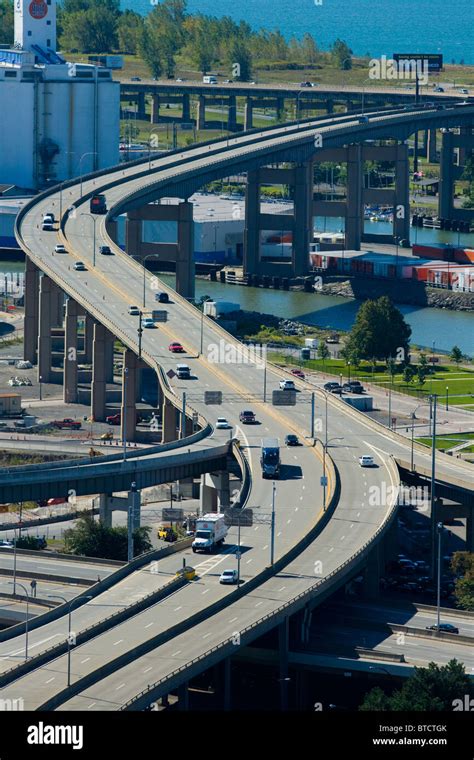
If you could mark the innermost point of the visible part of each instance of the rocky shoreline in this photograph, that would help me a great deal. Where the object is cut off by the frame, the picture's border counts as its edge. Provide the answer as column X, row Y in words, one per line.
column 406, row 292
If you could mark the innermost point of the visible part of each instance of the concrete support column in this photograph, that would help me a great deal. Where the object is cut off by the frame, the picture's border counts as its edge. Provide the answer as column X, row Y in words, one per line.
column 185, row 284
column 105, row 513
column 44, row 329
column 133, row 236
column 30, row 343
column 98, row 386
column 401, row 218
column 141, row 105
column 168, row 422
column 252, row 231
column 183, row 697
column 354, row 198
column 186, row 108
column 248, row 114
column 88, row 338
column 232, row 115
column 57, row 306
column 223, row 491
column 329, row 106
column 446, row 185
column 431, row 150
column 155, row 109
column 111, row 229
column 283, row 647
column 201, row 113
column 129, row 394
column 135, row 501
column 280, row 109
column 303, row 229
column 70, row 353
column 109, row 356
column 373, row 573
column 207, row 496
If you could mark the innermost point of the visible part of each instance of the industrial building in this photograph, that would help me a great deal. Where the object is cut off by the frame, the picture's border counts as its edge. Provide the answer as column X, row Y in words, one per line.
column 61, row 119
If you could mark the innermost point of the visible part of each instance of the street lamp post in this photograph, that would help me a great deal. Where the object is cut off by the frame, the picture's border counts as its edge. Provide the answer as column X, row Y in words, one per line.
column 439, row 528
column 434, row 399
column 447, row 399
column 10, row 583
column 94, row 221
column 88, row 153
column 325, row 448
column 124, row 413
column 272, row 542
column 40, row 387
column 140, row 334
column 69, row 638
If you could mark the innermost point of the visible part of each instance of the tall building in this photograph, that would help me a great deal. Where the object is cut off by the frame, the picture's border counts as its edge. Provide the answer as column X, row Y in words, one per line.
column 58, row 119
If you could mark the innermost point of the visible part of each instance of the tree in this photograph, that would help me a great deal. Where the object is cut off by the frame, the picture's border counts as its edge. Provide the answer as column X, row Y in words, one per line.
column 434, row 688
column 92, row 539
column 408, row 374
column 6, row 22
column 342, row 55
column 380, row 331
column 323, row 352
column 462, row 565
column 240, row 59
column 421, row 373
column 309, row 49
column 163, row 36
column 93, row 30
column 129, row 31
column 456, row 355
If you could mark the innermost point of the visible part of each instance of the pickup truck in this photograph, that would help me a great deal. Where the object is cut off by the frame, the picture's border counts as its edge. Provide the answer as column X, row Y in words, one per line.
column 67, row 424
column 113, row 419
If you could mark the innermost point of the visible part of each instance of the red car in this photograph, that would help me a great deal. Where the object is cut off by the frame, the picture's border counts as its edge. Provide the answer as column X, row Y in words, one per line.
column 176, row 348
column 113, row 419
column 299, row 373
column 67, row 424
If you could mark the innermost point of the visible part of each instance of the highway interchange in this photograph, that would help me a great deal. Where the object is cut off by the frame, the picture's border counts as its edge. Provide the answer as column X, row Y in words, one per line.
column 107, row 290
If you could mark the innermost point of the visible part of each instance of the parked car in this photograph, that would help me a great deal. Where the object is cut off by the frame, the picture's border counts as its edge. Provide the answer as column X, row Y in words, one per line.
column 228, row 576
column 291, row 440
column 6, row 545
column 333, row 387
column 67, row 424
column 353, row 387
column 444, row 627
column 333, row 338
column 113, row 419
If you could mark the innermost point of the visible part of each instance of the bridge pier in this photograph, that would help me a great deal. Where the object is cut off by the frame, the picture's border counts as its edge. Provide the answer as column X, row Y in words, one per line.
column 44, row 328
column 99, row 380
column 401, row 218
column 201, row 113
column 214, row 493
column 105, row 511
column 155, row 109
column 470, row 531
column 248, row 114
column 185, row 284
column 70, row 353
column 186, row 109
column 168, row 421
column 109, row 350
column 86, row 353
column 128, row 411
column 354, row 198
column 232, row 114
column 30, row 344
column 183, row 696
column 373, row 573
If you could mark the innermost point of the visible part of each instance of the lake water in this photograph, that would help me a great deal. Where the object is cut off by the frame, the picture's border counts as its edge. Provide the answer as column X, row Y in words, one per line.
column 378, row 28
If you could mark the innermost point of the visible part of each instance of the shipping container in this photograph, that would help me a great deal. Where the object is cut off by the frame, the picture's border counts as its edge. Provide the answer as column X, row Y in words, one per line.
column 10, row 404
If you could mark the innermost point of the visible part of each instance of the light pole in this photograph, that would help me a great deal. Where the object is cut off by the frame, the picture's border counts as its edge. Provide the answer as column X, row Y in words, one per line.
column 265, row 376
column 61, row 199
column 447, row 399
column 140, row 334
column 88, row 153
column 434, row 399
column 324, row 479
column 70, row 605
column 40, row 387
column 439, row 528
column 10, row 583
column 124, row 413
column 272, row 541
column 14, row 561
column 94, row 220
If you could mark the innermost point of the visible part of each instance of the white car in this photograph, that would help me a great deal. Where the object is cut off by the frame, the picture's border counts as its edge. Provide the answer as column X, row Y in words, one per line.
column 148, row 322
column 366, row 461
column 222, row 423
column 79, row 266
column 134, row 311
column 287, row 385
column 60, row 248
column 228, row 576
column 6, row 545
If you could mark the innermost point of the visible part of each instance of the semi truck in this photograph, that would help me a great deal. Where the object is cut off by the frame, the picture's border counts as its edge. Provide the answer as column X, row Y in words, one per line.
column 211, row 531
column 270, row 458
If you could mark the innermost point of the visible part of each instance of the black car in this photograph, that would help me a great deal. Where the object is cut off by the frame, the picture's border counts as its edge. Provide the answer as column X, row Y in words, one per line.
column 162, row 297
column 291, row 440
column 445, row 627
column 105, row 250
column 333, row 387
column 353, row 387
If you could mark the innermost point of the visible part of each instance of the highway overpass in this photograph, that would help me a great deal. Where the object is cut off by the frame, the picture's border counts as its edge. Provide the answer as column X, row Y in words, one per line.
column 316, row 551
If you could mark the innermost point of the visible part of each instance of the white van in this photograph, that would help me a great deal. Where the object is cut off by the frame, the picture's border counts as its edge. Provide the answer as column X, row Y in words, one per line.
column 209, row 79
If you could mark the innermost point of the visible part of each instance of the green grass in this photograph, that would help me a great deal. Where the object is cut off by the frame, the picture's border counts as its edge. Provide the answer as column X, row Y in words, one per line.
column 444, row 442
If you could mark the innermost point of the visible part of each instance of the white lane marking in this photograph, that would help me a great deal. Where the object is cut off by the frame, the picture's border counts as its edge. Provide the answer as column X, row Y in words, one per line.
column 256, row 527
column 147, row 670
column 118, row 642
column 206, row 635
column 358, row 514
column 279, row 533
column 31, row 646
column 51, row 679
column 342, row 538
column 176, row 653
column 282, row 588
column 331, row 549
column 86, row 660
column 149, row 624
column 351, row 525
column 205, row 591
column 258, row 604
column 288, row 521
column 265, row 547
column 233, row 620
column 249, row 561
column 178, row 608
column 120, row 687
column 91, row 705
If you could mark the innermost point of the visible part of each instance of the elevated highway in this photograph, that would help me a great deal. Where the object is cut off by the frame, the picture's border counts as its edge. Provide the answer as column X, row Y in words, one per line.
column 338, row 543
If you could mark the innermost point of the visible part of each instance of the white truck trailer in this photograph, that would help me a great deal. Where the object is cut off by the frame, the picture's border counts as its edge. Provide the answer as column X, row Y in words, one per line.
column 211, row 531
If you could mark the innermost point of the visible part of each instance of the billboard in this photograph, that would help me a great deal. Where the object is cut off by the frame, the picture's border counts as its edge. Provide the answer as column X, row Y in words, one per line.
column 433, row 61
